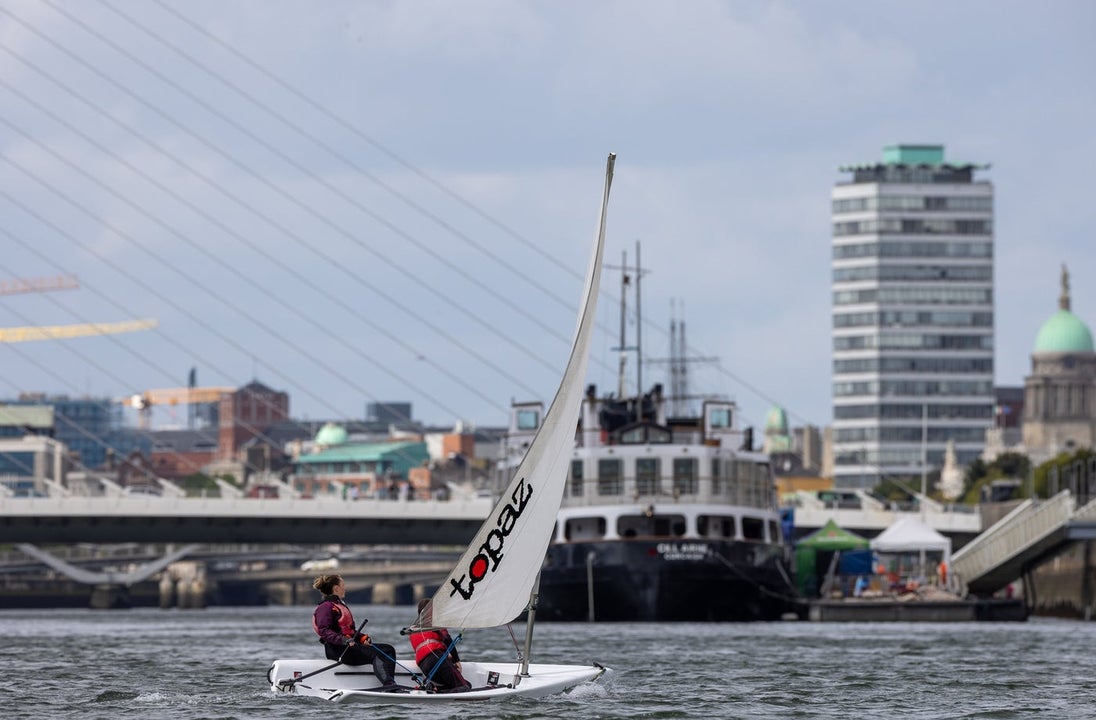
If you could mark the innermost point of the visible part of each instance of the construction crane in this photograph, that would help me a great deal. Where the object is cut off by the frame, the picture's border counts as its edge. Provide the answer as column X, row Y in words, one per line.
column 145, row 401
column 63, row 332
column 18, row 286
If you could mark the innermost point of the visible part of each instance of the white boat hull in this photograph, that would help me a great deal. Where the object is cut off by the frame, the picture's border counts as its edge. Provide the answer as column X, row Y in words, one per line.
column 356, row 683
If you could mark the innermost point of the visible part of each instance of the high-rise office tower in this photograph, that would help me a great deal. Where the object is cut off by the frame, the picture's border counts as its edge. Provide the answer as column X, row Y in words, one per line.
column 912, row 316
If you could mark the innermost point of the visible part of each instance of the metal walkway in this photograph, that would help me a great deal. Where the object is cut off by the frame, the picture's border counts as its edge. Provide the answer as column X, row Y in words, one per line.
column 1021, row 540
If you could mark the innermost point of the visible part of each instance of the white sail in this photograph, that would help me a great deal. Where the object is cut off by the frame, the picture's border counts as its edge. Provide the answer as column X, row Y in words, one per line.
column 491, row 583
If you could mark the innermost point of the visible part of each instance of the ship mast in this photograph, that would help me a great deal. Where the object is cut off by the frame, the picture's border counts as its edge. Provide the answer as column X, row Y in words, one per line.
column 679, row 380
column 680, row 397
column 639, row 338
column 623, row 328
column 626, row 274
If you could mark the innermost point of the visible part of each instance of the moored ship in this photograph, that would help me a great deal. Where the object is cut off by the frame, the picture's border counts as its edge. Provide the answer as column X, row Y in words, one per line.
column 664, row 518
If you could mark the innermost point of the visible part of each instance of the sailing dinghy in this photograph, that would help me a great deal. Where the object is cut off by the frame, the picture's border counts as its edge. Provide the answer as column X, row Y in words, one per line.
column 496, row 579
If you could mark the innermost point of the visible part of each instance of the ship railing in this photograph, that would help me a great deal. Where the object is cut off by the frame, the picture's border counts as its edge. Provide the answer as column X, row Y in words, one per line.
column 588, row 499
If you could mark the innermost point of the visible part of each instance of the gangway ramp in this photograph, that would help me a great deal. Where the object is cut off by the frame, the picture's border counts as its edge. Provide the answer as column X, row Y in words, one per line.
column 1021, row 540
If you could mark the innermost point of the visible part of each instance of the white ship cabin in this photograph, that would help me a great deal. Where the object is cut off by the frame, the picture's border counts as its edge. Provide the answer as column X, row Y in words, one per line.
column 635, row 472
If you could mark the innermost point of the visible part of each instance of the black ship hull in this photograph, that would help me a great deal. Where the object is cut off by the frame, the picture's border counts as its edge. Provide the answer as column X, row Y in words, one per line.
column 665, row 581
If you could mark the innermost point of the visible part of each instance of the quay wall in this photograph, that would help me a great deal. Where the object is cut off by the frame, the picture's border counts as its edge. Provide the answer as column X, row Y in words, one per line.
column 1064, row 584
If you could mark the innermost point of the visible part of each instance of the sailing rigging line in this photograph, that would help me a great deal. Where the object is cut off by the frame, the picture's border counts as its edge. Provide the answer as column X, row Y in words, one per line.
column 514, row 639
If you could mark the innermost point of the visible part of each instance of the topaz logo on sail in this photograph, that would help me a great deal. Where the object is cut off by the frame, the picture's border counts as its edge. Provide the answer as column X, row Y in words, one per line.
column 490, row 552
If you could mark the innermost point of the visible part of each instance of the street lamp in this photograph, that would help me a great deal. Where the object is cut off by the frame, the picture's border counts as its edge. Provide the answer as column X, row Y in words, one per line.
column 924, row 455
column 924, row 471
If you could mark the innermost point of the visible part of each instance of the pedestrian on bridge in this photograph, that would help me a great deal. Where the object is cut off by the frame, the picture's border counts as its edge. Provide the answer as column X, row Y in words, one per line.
column 334, row 623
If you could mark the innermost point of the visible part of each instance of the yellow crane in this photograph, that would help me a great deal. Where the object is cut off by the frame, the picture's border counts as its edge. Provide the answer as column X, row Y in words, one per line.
column 17, row 286
column 63, row 332
column 145, row 401
column 31, row 333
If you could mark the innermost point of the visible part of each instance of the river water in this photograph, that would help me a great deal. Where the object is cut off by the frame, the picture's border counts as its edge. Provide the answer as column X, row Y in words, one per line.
column 211, row 664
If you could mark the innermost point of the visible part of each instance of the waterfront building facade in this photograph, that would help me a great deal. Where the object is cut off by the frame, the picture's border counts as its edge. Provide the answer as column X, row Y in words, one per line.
column 90, row 428
column 339, row 463
column 1060, row 394
column 245, row 415
column 913, row 315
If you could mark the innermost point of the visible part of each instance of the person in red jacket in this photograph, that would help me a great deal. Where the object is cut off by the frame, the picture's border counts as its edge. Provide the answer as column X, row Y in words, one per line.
column 435, row 649
column 334, row 624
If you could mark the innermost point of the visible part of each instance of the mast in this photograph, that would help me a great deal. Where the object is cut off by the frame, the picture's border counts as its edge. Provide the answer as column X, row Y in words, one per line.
column 639, row 339
column 623, row 316
column 676, row 390
column 678, row 361
column 534, row 595
column 625, row 281
column 683, row 367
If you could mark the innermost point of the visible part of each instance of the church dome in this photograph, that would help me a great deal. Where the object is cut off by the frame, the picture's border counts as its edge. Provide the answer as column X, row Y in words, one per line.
column 1064, row 332
column 776, row 421
column 331, row 434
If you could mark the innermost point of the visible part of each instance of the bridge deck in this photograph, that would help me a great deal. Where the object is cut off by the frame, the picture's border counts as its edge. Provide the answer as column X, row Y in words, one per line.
column 242, row 520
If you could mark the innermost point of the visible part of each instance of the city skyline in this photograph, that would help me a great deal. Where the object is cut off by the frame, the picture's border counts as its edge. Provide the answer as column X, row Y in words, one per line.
column 416, row 229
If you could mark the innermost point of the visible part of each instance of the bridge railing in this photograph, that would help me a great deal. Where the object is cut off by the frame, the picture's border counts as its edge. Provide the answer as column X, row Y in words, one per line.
column 864, row 519
column 163, row 505
column 1026, row 525
column 1088, row 512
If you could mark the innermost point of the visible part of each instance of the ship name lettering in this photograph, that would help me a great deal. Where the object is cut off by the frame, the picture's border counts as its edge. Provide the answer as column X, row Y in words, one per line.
column 682, row 551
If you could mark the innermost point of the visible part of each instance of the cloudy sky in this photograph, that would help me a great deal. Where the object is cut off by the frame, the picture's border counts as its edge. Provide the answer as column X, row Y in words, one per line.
column 393, row 201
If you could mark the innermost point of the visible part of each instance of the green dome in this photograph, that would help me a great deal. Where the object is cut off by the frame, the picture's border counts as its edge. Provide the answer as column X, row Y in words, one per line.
column 776, row 420
column 331, row 434
column 1064, row 332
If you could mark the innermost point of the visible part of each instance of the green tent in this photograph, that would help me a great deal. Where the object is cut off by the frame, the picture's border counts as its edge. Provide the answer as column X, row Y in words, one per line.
column 821, row 545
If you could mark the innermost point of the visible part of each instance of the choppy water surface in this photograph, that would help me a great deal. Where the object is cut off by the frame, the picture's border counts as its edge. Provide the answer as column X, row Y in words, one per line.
column 212, row 663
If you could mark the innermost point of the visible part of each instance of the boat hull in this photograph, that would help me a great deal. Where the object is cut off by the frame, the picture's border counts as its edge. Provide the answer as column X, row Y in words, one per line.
column 665, row 581
column 344, row 683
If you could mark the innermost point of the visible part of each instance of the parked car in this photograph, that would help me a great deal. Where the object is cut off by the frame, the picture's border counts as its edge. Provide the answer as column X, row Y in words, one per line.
column 320, row 564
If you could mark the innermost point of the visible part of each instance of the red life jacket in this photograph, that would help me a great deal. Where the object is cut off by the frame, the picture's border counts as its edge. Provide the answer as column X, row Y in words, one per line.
column 426, row 642
column 342, row 616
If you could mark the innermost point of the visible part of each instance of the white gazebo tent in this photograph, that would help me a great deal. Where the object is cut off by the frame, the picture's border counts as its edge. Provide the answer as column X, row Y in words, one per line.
column 909, row 535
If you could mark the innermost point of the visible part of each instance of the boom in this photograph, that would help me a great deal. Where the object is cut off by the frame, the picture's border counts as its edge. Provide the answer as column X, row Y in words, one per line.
column 61, row 332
